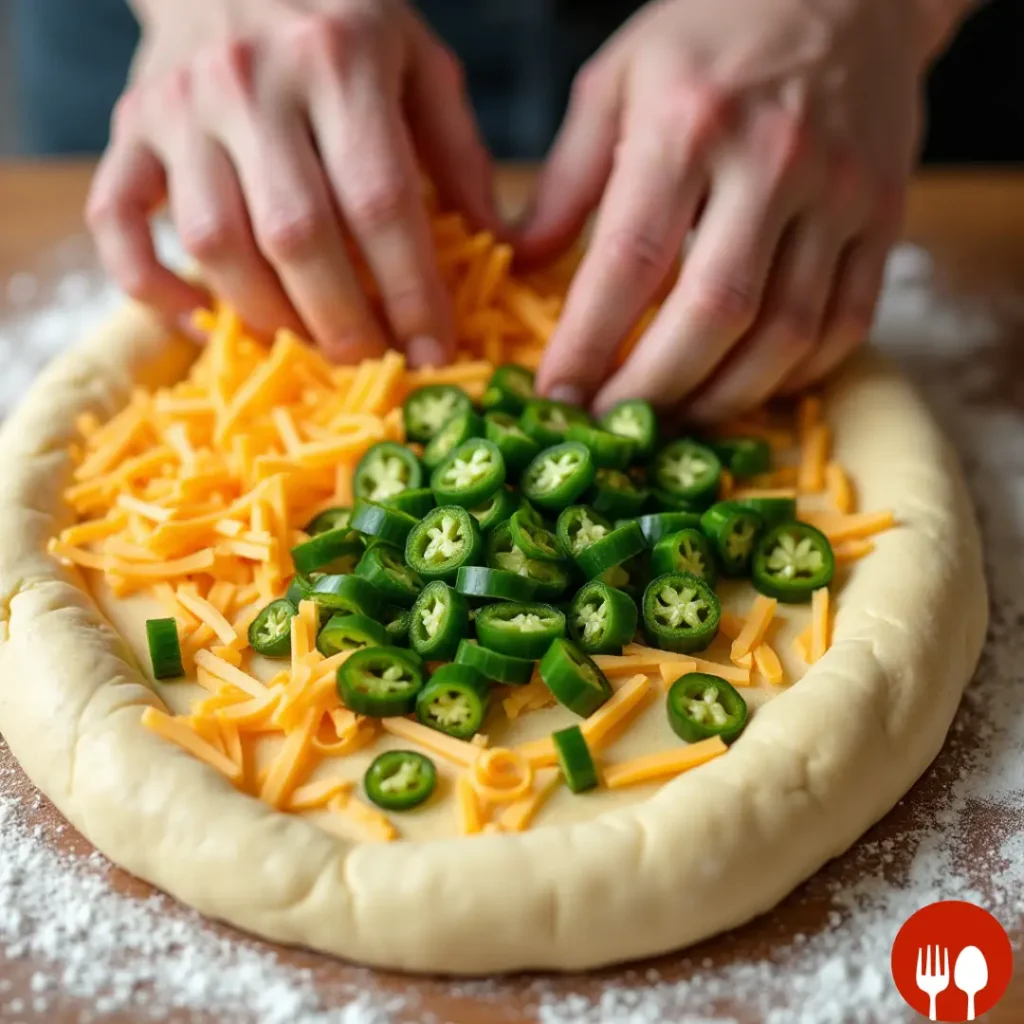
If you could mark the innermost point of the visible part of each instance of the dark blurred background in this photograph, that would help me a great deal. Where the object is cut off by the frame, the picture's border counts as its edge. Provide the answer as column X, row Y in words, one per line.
column 63, row 62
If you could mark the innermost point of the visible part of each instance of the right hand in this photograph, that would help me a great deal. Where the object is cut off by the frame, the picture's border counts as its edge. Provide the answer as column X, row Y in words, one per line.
column 276, row 131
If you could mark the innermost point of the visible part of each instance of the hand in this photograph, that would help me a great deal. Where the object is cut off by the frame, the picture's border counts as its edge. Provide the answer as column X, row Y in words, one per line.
column 280, row 132
column 783, row 133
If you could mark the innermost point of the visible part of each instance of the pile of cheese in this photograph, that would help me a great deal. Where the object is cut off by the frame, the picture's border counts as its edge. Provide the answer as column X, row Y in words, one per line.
column 196, row 493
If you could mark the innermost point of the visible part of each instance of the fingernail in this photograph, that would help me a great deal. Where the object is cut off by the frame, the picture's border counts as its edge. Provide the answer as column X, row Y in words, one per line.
column 568, row 393
column 425, row 351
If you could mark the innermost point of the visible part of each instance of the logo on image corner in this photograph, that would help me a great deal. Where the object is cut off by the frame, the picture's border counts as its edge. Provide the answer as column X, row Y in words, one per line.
column 951, row 961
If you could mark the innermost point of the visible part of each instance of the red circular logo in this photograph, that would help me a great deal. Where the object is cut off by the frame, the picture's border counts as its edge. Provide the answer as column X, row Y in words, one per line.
column 952, row 961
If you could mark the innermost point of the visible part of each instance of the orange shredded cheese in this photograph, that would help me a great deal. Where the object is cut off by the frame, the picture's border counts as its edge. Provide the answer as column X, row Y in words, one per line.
column 738, row 675
column 615, row 711
column 293, row 761
column 177, row 731
column 501, row 775
column 470, row 814
column 820, row 633
column 663, row 765
column 375, row 824
column 208, row 613
column 802, row 646
column 517, row 816
column 853, row 549
column 838, row 527
column 768, row 664
column 761, row 614
column 814, row 448
column 840, row 490
column 457, row 751
column 317, row 794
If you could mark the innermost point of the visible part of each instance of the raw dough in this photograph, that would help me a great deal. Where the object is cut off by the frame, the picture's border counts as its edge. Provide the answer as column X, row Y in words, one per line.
column 816, row 767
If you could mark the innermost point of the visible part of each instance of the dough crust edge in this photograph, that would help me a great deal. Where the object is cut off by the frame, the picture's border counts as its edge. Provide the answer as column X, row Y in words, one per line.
column 817, row 766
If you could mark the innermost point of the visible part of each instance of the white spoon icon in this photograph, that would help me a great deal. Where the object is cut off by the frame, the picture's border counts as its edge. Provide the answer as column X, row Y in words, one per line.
column 970, row 975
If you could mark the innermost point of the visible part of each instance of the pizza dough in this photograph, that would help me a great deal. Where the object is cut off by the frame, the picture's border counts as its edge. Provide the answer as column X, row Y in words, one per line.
column 816, row 767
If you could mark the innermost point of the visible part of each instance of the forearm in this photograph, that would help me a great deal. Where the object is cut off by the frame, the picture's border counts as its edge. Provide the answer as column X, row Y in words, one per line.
column 940, row 19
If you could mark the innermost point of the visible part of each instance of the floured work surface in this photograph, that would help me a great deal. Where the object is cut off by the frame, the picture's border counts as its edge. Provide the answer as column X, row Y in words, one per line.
column 735, row 969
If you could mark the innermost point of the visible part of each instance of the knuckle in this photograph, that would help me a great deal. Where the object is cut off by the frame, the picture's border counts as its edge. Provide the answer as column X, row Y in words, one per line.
column 320, row 40
column 289, row 235
column 135, row 278
column 588, row 85
column 699, row 109
column 636, row 253
column 728, row 302
column 126, row 112
column 177, row 90
column 103, row 207
column 229, row 68
column 380, row 203
column 787, row 143
column 890, row 204
column 846, row 178
column 449, row 69
column 800, row 328
column 208, row 239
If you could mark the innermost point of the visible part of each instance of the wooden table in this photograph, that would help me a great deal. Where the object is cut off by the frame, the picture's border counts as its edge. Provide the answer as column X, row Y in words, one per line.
column 973, row 224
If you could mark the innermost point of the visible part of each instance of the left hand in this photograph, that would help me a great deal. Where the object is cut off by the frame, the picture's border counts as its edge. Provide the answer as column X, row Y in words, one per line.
column 783, row 133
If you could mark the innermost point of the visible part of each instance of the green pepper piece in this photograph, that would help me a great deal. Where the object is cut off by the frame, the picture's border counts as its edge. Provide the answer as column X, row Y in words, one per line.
column 733, row 530
column 602, row 619
column 270, row 632
column 687, row 471
column 661, row 524
column 791, row 561
column 330, row 519
column 559, row 475
column 502, row 668
column 681, row 612
column 550, row 578
column 443, row 541
column 414, row 502
column 534, row 541
column 546, row 421
column 498, row 508
column 615, row 495
column 385, row 470
column 517, row 447
column 574, row 759
column 454, row 701
column 743, row 456
column 470, row 475
column 383, row 566
column 440, row 619
column 631, row 575
column 579, row 526
column 330, row 551
column 380, row 681
column 347, row 594
column 636, row 420
column 530, row 512
column 524, row 630
column 664, row 501
column 386, row 524
column 349, row 633
column 611, row 550
column 608, row 450
column 701, row 705
column 573, row 678
column 164, row 648
column 429, row 408
column 398, row 780
column 494, row 584
column 772, row 510
column 509, row 389
column 396, row 626
column 457, row 431
column 685, row 551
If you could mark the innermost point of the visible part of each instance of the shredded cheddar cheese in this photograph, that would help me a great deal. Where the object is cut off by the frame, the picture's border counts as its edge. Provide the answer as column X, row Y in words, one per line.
column 663, row 765
column 754, row 629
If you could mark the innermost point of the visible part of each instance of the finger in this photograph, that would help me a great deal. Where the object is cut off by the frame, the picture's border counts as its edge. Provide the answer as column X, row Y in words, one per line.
column 644, row 217
column 788, row 331
column 716, row 299
column 576, row 171
column 297, row 229
column 129, row 184
column 209, row 213
column 445, row 132
column 851, row 309
column 369, row 159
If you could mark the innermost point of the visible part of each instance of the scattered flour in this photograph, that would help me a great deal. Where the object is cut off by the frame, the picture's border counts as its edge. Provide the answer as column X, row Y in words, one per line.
column 143, row 957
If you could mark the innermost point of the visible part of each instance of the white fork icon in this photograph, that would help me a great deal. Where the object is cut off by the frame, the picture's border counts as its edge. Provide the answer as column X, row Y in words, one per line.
column 932, row 980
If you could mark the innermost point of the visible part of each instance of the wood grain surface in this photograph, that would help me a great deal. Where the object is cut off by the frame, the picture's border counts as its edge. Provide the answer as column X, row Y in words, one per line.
column 973, row 225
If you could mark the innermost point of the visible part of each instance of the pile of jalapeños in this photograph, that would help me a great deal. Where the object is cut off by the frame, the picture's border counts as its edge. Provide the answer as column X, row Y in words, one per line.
column 525, row 537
